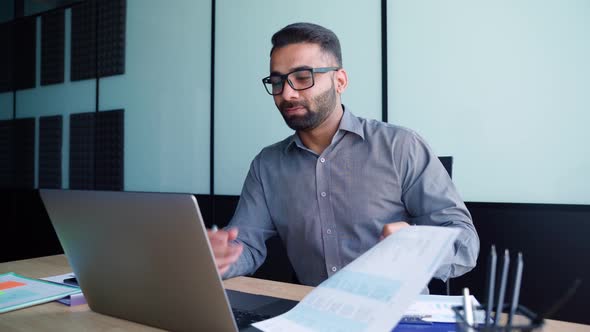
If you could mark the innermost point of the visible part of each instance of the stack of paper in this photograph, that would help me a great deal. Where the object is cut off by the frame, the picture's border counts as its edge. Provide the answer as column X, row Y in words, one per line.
column 18, row 292
column 72, row 299
column 438, row 308
column 373, row 292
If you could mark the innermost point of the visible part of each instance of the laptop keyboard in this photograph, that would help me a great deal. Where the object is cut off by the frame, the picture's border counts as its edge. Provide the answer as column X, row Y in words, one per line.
column 246, row 318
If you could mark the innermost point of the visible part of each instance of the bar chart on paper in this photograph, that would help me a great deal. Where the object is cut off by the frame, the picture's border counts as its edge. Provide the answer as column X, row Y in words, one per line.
column 372, row 292
column 17, row 291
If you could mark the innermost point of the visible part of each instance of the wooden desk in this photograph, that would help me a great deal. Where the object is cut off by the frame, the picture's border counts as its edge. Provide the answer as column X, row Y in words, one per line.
column 58, row 317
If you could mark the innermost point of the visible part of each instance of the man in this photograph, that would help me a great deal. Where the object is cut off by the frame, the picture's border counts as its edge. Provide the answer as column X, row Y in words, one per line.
column 341, row 183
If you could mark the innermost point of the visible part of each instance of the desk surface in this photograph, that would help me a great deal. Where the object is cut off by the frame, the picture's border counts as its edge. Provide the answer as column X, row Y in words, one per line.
column 58, row 317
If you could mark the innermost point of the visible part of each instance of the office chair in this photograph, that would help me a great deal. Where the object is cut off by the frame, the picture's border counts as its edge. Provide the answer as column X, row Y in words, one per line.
column 435, row 285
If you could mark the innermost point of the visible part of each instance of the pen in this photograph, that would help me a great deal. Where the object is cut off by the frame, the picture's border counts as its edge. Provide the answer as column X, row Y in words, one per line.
column 467, row 309
column 490, row 282
column 416, row 319
column 516, row 289
column 502, row 288
column 214, row 228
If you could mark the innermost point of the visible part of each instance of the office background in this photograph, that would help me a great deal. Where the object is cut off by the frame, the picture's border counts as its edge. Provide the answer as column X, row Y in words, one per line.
column 166, row 96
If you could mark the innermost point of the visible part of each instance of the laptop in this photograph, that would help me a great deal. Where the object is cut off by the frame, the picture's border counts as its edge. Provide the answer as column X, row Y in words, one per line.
column 145, row 257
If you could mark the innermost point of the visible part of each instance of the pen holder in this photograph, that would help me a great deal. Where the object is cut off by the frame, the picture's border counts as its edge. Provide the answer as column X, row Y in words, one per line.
column 531, row 321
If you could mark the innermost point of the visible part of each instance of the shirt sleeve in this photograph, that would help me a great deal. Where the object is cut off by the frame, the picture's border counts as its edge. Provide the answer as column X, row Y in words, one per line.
column 254, row 224
column 430, row 197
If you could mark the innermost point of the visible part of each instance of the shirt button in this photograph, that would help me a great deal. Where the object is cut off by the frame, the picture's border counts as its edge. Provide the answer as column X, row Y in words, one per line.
column 323, row 194
column 334, row 269
column 329, row 231
column 322, row 160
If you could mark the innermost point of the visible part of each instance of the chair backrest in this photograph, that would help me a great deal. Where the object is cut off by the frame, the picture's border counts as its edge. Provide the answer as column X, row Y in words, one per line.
column 436, row 286
column 447, row 162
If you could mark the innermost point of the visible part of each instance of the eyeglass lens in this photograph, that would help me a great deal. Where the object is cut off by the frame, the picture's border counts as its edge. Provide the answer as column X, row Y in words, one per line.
column 298, row 80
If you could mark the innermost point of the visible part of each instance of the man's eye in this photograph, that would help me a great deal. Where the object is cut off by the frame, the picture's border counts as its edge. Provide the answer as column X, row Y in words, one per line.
column 275, row 80
column 304, row 75
column 303, row 78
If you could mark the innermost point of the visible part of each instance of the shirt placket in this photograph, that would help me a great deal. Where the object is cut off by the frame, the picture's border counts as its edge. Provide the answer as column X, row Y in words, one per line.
column 328, row 225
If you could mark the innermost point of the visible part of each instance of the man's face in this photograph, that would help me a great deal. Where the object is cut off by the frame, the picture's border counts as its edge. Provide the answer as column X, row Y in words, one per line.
column 305, row 109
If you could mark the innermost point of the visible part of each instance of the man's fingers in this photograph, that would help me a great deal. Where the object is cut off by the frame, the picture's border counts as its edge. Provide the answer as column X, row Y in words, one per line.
column 217, row 237
column 232, row 234
column 230, row 257
column 231, row 253
column 393, row 227
column 222, row 236
column 225, row 250
column 223, row 270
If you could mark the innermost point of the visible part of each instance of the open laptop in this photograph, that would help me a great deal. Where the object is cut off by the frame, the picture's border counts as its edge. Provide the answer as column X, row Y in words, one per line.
column 145, row 257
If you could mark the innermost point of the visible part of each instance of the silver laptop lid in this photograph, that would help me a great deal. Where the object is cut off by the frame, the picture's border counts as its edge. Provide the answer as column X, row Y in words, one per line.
column 143, row 257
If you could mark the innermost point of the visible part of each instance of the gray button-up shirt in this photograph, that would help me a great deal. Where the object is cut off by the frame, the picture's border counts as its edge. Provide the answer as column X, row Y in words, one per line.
column 329, row 209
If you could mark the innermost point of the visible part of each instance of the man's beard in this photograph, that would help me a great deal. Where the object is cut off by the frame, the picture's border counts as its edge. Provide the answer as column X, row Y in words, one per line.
column 325, row 104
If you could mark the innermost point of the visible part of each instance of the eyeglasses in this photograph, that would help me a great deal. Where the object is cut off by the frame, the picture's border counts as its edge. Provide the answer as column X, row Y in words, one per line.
column 299, row 79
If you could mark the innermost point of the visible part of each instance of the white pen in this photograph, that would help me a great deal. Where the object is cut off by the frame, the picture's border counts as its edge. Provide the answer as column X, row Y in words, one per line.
column 214, row 228
column 468, row 309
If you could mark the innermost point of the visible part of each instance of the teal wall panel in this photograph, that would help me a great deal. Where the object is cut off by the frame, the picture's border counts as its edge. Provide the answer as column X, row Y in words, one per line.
column 6, row 10
column 503, row 87
column 165, row 92
column 246, row 119
column 5, row 105
column 64, row 99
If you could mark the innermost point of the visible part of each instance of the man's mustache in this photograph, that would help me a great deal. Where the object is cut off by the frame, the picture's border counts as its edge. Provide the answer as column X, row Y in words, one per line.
column 289, row 104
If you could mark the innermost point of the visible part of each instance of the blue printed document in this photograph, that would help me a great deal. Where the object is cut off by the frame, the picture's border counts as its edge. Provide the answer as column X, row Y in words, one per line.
column 439, row 308
column 374, row 291
column 72, row 299
column 18, row 292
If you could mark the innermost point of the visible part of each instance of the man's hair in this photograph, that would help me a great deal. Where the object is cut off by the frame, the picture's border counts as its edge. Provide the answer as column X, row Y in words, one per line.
column 308, row 33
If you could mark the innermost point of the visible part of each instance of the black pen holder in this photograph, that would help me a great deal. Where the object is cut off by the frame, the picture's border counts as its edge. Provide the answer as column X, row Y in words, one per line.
column 524, row 320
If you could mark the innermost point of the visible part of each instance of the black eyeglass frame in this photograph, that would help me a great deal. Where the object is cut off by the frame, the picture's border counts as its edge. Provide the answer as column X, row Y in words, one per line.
column 284, row 78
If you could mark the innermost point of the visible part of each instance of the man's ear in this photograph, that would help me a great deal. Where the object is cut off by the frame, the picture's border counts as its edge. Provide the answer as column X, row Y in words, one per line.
column 341, row 81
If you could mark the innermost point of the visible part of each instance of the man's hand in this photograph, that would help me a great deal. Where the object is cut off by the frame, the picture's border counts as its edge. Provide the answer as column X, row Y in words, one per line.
column 391, row 228
column 225, row 250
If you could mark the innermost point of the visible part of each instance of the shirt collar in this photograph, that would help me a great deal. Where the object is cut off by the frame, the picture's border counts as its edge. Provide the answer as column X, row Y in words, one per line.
column 349, row 122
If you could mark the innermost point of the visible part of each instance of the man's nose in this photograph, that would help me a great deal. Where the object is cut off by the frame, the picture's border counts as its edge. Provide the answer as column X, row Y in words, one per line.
column 288, row 92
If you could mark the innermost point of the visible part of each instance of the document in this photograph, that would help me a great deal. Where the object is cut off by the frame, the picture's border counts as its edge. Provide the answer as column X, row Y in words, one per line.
column 438, row 308
column 19, row 292
column 72, row 299
column 373, row 292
